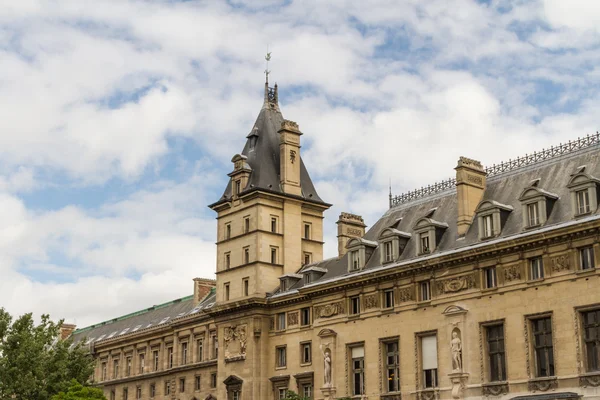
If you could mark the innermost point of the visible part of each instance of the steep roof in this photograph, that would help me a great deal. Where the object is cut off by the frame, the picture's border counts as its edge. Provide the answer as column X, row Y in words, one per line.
column 553, row 172
column 146, row 319
column 262, row 152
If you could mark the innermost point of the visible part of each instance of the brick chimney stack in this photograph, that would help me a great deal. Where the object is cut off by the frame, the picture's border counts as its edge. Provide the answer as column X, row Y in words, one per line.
column 66, row 330
column 202, row 287
column 470, row 185
column 349, row 226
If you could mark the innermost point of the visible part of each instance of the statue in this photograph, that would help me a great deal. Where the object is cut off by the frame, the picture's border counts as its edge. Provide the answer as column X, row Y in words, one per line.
column 327, row 365
column 456, row 348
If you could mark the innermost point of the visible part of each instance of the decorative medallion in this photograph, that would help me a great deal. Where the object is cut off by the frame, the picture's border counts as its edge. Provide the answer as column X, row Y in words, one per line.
column 235, row 339
column 494, row 389
column 329, row 310
column 457, row 284
column 542, row 385
column 589, row 380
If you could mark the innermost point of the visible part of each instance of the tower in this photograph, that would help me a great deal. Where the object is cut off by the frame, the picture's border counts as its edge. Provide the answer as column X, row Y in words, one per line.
column 270, row 217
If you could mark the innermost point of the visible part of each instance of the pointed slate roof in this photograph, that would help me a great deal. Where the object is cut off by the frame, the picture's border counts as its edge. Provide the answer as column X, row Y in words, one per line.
column 262, row 152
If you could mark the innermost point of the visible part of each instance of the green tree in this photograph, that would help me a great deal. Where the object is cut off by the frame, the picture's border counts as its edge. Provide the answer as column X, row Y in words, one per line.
column 291, row 395
column 79, row 392
column 34, row 363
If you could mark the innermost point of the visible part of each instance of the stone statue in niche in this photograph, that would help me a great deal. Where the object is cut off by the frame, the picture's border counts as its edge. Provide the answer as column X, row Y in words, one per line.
column 456, row 348
column 327, row 365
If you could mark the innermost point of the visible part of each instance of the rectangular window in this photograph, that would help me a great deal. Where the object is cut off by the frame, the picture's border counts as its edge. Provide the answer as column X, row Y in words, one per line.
column 246, row 286
column 155, row 358
column 305, row 316
column 536, row 268
column 280, row 321
column 281, row 360
column 246, row 255
column 429, row 361
column 425, row 291
column 583, row 201
column 213, row 380
column 586, row 258
column 103, row 371
column 306, row 231
column 184, row 352
column 167, row 387
column 128, row 366
column 215, row 347
column 125, row 393
column 542, row 344
column 388, row 298
column 358, row 370
column 307, row 258
column 591, row 329
column 227, row 260
column 281, row 393
column 532, row 214
column 152, row 390
column 354, row 305
column 142, row 358
column 115, row 369
column 197, row 382
column 425, row 246
column 307, row 279
column 246, row 224
column 306, row 390
column 200, row 344
column 226, row 287
column 227, row 231
column 170, row 357
column 138, row 393
column 274, row 224
column 488, row 226
column 238, row 187
column 354, row 260
column 181, row 385
column 489, row 276
column 392, row 366
column 113, row 396
column 306, row 351
column 388, row 251
column 496, row 356
column 273, row 255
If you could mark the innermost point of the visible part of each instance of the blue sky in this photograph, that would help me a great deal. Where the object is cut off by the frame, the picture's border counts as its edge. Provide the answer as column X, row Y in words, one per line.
column 120, row 119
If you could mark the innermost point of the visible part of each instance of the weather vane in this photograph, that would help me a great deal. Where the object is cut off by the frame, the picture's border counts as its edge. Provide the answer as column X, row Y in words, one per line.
column 268, row 58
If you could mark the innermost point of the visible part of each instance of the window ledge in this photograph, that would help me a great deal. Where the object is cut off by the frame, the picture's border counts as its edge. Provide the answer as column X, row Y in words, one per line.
column 354, row 316
column 423, row 303
column 280, row 368
column 388, row 310
column 306, row 364
column 535, row 281
column 589, row 271
column 489, row 290
column 585, row 214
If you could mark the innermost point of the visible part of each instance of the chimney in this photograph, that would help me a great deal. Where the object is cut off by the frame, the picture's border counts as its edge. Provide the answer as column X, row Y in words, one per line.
column 349, row 226
column 470, row 185
column 65, row 330
column 289, row 157
column 202, row 287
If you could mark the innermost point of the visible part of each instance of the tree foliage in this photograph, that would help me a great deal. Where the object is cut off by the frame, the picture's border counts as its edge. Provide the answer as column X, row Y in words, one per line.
column 79, row 392
column 34, row 363
column 291, row 395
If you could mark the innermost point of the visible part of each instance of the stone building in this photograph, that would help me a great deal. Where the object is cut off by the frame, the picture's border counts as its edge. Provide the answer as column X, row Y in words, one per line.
column 481, row 286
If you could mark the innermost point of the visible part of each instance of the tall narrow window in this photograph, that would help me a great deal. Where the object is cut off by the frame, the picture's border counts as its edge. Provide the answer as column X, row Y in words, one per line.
column 155, row 356
column 306, row 231
column 181, row 385
column 170, row 357
column 306, row 351
column 583, row 201
column 425, row 291
column 115, row 369
column 226, row 287
column 305, row 316
column 227, row 260
column 358, row 370
column 103, row 374
column 238, row 187
column 488, row 228
column 392, row 366
column 280, row 321
column 388, row 298
column 142, row 359
column 591, row 329
column 532, row 214
column 246, row 224
column 273, row 255
column 128, row 366
column 197, row 383
column 307, row 258
column 496, row 357
column 213, row 380
column 246, row 286
column 281, row 356
column 138, row 393
column 355, row 305
column 125, row 393
column 246, row 255
column 542, row 344
column 306, row 390
column 152, row 390
column 200, row 344
column 274, row 224
column 215, row 347
column 489, row 275
column 113, row 396
column 354, row 260
column 425, row 245
column 586, row 258
column 429, row 361
column 281, row 393
column 184, row 352
column 388, row 251
column 536, row 268
column 227, row 231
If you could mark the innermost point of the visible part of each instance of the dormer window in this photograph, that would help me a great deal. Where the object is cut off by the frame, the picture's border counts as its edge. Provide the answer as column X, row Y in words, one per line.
column 311, row 274
column 238, row 187
column 286, row 282
column 584, row 189
column 537, row 204
column 491, row 216
column 393, row 243
column 359, row 252
column 430, row 233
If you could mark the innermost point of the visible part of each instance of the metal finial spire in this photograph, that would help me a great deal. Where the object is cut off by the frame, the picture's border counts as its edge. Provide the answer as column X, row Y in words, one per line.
column 268, row 58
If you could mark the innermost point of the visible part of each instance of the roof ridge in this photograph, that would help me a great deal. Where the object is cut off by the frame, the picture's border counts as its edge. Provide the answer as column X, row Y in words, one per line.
column 133, row 314
column 504, row 167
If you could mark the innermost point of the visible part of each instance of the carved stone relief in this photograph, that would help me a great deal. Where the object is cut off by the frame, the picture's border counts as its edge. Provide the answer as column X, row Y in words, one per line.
column 494, row 389
column 512, row 273
column 371, row 301
column 542, row 385
column 235, row 339
column 560, row 263
column 292, row 318
column 427, row 395
column 589, row 380
column 406, row 294
column 329, row 310
column 457, row 284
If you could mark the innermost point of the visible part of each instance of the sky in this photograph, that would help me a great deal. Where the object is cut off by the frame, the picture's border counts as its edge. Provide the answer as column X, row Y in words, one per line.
column 119, row 120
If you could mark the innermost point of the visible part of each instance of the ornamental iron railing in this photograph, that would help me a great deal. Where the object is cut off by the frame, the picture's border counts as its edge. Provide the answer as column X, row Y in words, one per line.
column 496, row 169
